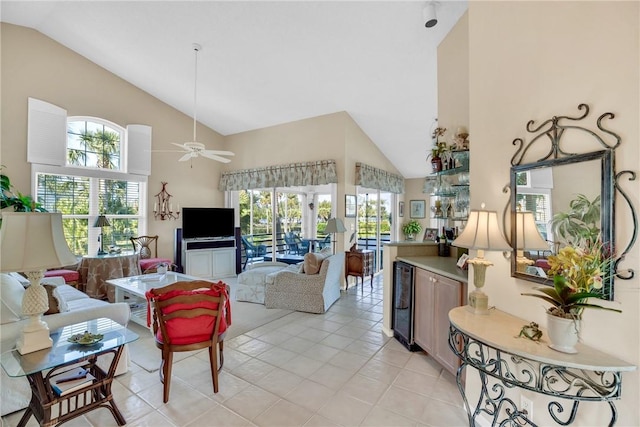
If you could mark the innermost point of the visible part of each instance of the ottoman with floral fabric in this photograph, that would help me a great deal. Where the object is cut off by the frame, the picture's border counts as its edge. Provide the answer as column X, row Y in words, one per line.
column 251, row 283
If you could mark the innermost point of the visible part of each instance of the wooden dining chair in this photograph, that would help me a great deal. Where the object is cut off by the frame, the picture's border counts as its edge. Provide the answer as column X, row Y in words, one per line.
column 147, row 248
column 188, row 316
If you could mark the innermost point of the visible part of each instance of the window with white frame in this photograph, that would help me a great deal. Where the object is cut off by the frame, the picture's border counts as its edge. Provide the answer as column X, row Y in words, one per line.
column 93, row 183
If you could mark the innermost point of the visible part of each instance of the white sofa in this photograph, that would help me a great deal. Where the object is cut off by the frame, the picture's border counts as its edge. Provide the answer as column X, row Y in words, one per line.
column 75, row 306
column 313, row 293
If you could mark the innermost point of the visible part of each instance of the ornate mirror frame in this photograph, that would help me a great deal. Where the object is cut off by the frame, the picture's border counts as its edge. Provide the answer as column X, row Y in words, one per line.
column 554, row 130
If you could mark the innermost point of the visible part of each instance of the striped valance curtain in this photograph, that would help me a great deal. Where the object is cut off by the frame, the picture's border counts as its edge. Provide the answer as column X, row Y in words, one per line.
column 292, row 175
column 370, row 177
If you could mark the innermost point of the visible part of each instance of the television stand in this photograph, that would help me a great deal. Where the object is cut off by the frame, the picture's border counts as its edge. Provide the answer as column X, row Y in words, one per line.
column 210, row 258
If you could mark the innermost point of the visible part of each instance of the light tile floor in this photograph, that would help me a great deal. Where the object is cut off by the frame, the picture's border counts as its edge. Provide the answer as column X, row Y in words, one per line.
column 336, row 369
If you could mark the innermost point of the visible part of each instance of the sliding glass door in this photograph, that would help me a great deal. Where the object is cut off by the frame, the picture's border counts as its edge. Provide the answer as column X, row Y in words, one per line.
column 374, row 221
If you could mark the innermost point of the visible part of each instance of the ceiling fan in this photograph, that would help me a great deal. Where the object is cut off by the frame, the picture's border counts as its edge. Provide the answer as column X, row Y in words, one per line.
column 192, row 149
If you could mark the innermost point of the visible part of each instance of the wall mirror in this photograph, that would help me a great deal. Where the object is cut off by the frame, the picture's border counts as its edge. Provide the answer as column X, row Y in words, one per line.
column 564, row 194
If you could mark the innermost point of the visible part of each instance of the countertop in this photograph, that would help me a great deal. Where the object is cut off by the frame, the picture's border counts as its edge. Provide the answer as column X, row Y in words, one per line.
column 445, row 266
column 410, row 243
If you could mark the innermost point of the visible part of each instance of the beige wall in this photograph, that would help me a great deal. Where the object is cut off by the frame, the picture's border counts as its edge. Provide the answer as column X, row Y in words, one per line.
column 453, row 79
column 536, row 60
column 333, row 136
column 33, row 65
column 453, row 105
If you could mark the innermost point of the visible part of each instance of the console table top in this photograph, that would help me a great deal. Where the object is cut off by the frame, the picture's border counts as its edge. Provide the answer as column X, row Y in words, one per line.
column 499, row 330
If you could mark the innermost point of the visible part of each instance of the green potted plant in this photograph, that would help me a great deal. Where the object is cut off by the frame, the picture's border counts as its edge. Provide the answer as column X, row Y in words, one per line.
column 20, row 202
column 411, row 228
column 577, row 275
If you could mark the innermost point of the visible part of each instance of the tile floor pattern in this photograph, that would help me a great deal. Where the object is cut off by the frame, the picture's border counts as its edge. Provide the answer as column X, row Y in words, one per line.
column 336, row 369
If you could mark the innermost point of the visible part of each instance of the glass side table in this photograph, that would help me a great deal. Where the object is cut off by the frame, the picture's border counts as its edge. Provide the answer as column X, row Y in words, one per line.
column 41, row 365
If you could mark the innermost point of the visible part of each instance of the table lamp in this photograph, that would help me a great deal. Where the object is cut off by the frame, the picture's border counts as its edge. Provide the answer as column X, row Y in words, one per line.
column 101, row 222
column 482, row 232
column 32, row 242
column 335, row 225
column 527, row 237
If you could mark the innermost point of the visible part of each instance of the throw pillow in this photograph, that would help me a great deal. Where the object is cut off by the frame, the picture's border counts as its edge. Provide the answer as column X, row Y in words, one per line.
column 53, row 302
column 313, row 262
column 11, row 293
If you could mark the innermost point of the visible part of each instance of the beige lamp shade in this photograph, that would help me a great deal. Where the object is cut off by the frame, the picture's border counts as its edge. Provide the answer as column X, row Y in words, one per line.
column 527, row 234
column 31, row 241
column 482, row 232
column 335, row 225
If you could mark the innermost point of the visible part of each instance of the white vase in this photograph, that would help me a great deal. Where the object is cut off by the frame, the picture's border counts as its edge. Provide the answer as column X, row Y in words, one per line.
column 563, row 333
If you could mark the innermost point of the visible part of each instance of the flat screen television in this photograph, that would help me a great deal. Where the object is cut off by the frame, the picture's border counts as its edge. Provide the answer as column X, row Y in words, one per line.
column 207, row 223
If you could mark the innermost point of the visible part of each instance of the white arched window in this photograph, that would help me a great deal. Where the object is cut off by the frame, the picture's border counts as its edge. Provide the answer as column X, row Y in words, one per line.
column 92, row 179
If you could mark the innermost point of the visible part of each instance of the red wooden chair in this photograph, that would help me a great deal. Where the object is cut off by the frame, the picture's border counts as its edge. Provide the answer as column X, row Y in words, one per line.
column 187, row 316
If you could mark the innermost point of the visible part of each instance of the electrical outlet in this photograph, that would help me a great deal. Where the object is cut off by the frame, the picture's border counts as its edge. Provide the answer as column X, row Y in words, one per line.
column 526, row 407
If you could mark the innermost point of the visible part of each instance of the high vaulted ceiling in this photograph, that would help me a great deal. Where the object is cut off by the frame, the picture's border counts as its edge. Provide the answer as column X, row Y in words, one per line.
column 265, row 63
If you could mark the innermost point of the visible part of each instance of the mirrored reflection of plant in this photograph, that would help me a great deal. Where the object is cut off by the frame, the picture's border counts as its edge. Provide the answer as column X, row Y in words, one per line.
column 580, row 224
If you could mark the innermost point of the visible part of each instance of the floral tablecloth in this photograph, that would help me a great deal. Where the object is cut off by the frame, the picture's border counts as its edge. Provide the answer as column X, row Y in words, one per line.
column 94, row 271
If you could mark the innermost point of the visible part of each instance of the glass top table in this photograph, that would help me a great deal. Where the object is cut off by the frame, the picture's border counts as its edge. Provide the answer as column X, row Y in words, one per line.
column 52, row 408
column 63, row 352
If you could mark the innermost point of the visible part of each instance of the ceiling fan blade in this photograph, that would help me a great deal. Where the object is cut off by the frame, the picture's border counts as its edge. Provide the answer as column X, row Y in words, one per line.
column 209, row 155
column 220, row 153
column 167, row 151
column 181, row 146
column 187, row 156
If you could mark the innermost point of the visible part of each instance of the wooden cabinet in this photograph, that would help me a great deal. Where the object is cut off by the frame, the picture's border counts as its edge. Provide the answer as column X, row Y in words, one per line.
column 435, row 296
column 358, row 263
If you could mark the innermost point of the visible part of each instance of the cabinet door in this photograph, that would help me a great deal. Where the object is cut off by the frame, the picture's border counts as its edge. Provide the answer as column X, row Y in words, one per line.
column 200, row 263
column 423, row 310
column 224, row 262
column 447, row 295
column 354, row 263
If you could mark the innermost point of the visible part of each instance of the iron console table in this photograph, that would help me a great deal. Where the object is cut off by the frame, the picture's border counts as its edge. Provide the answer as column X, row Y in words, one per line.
column 491, row 345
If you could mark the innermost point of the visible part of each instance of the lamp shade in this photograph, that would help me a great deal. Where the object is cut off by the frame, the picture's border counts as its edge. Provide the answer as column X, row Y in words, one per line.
column 482, row 232
column 335, row 225
column 31, row 241
column 102, row 221
column 527, row 234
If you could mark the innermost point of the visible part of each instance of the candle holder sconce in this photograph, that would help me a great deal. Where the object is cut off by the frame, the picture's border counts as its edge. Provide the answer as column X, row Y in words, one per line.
column 163, row 207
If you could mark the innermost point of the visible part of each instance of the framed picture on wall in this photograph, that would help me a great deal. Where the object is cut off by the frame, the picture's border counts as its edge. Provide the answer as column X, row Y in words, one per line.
column 400, row 209
column 350, row 206
column 417, row 208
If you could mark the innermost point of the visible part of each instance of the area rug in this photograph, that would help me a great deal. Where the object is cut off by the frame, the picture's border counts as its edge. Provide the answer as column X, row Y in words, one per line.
column 245, row 316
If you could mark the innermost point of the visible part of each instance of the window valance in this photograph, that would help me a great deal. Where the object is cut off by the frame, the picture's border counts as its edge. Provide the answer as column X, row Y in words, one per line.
column 370, row 177
column 292, row 175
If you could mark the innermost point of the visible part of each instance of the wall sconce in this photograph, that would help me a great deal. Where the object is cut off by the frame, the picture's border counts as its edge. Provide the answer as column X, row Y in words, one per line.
column 311, row 206
column 163, row 207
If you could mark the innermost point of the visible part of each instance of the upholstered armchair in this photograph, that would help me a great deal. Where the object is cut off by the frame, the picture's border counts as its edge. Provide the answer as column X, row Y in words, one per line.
column 313, row 291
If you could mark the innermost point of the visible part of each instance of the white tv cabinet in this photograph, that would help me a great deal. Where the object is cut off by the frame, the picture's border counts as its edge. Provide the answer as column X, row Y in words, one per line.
column 209, row 259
